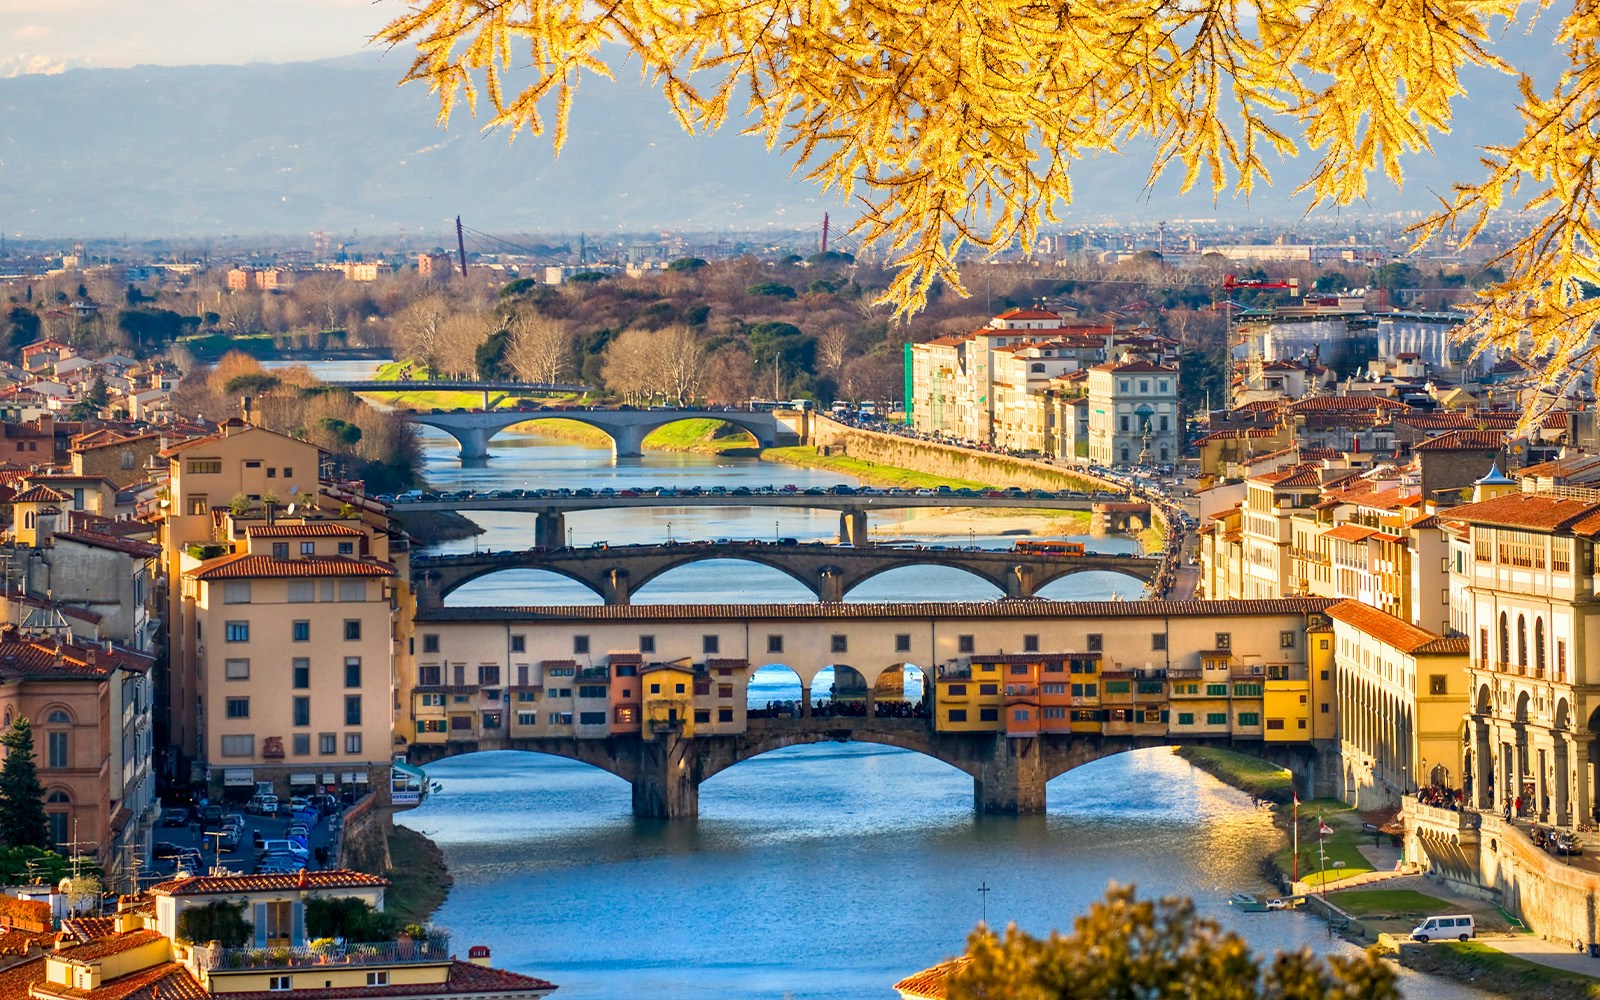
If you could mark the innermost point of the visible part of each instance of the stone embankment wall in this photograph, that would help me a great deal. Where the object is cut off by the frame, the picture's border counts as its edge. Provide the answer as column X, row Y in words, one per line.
column 364, row 841
column 833, row 438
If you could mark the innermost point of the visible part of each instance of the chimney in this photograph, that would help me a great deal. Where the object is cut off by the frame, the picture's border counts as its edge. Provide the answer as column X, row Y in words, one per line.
column 478, row 954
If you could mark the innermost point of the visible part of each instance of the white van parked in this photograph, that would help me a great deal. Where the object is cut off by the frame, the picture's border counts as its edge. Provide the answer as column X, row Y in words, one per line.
column 1459, row 926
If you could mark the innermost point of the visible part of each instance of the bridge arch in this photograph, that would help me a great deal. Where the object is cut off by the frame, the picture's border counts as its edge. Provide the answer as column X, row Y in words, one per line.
column 755, row 744
column 854, row 581
column 691, row 555
column 601, row 755
column 627, row 429
column 445, row 587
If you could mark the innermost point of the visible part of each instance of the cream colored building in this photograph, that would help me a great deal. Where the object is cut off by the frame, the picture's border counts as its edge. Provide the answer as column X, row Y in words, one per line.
column 1402, row 691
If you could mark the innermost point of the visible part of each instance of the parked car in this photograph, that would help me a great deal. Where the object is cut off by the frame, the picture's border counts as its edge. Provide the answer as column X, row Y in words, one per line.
column 1564, row 843
column 175, row 816
column 262, row 805
column 286, row 848
column 211, row 816
column 162, row 850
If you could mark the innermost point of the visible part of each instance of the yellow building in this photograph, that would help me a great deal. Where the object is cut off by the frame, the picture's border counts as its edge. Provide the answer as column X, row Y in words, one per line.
column 968, row 697
column 668, row 699
column 1402, row 694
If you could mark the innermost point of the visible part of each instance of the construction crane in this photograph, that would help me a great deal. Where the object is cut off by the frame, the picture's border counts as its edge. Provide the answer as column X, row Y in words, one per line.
column 1231, row 282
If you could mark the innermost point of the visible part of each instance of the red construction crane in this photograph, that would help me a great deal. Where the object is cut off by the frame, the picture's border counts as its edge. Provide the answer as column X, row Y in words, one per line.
column 1231, row 282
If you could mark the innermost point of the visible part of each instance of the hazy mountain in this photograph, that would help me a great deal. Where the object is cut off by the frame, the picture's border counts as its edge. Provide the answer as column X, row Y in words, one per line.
column 166, row 151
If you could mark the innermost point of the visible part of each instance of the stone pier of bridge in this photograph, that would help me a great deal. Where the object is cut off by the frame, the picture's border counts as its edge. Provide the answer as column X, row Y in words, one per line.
column 853, row 527
column 550, row 530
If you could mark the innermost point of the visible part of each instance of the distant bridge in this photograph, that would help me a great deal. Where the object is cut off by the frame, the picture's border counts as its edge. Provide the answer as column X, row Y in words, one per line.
column 830, row 572
column 626, row 428
column 550, row 531
column 1009, row 773
column 427, row 385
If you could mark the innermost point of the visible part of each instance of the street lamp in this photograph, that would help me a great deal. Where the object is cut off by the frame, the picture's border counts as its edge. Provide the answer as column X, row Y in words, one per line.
column 669, row 532
column 774, row 532
column 569, row 538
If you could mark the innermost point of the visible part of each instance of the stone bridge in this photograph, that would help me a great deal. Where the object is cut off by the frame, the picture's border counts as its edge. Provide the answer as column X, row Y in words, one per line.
column 1009, row 773
column 828, row 571
column 626, row 428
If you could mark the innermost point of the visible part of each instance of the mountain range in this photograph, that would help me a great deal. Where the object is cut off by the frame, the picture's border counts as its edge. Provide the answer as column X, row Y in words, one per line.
column 336, row 145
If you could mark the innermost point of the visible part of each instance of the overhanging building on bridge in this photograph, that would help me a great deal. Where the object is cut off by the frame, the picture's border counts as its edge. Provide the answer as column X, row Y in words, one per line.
column 615, row 685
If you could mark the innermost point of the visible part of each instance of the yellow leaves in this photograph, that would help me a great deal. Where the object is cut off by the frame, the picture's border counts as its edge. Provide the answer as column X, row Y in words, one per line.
column 954, row 123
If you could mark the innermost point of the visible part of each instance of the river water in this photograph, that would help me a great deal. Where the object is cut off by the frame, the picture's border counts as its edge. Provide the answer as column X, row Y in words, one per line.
column 815, row 872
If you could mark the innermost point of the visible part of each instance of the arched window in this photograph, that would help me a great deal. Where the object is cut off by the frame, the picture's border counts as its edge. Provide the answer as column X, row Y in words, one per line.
column 1538, row 643
column 58, row 796
column 1522, row 641
column 1505, row 641
column 58, row 717
column 27, row 519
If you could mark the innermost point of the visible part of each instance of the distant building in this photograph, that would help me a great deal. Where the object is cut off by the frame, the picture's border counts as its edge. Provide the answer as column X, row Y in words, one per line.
column 1133, row 413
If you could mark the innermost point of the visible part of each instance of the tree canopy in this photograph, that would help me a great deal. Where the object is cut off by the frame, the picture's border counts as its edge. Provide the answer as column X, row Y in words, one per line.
column 956, row 123
column 1127, row 947
column 22, row 819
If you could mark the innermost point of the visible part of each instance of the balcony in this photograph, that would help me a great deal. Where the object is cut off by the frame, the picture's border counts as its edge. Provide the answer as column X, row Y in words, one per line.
column 433, row 948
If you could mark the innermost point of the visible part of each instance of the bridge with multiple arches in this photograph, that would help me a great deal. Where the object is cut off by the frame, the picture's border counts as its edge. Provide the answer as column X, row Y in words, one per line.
column 627, row 429
column 828, row 571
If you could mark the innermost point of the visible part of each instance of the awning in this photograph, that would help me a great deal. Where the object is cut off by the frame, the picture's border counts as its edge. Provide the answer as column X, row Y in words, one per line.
column 236, row 777
column 307, row 778
column 410, row 770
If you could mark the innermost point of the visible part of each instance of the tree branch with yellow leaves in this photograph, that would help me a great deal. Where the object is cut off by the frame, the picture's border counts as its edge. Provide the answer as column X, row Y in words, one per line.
column 955, row 123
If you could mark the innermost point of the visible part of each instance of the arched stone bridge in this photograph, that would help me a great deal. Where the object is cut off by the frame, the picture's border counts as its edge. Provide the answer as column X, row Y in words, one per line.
column 626, row 428
column 1009, row 773
column 828, row 571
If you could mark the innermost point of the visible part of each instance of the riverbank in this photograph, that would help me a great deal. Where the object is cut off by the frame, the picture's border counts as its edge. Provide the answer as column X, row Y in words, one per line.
column 419, row 879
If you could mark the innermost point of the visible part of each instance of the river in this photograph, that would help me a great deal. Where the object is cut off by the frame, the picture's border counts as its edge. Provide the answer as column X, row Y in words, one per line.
column 815, row 872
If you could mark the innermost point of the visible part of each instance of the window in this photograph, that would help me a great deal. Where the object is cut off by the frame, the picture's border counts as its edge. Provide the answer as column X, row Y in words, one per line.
column 647, row 644
column 352, row 710
column 301, row 631
column 902, row 643
column 965, row 644
column 1216, row 718
column 1249, row 718
column 1224, row 640
column 236, row 670
column 302, row 711
column 591, row 718
column 1158, row 641
column 352, row 671
column 1274, row 723
column 1123, row 420
column 378, row 979
column 1324, row 708
column 1437, row 684
column 279, row 983
column 988, row 715
column 527, row 718
column 352, row 742
column 352, row 629
column 839, row 644
column 327, row 743
column 302, row 744
column 347, row 548
column 1030, row 644
column 237, row 632
column 236, row 592
column 352, row 590
column 238, row 746
column 288, row 472
column 237, row 708
column 591, row 691
column 1286, row 640
column 489, row 675
column 205, row 466
column 655, row 688
column 1185, row 718
column 580, row 645
column 709, row 644
column 774, row 643
column 988, row 689
column 302, row 591
column 725, row 691
column 958, row 715
column 430, row 642
column 724, row 715
column 301, row 668
column 1216, row 690
column 56, row 754
column 1094, row 642
column 958, row 690
column 519, row 644
column 310, row 549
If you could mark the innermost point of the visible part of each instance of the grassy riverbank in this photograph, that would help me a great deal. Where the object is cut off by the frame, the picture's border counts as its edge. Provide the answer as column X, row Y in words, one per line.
column 870, row 473
column 1251, row 775
column 1484, row 968
column 419, row 880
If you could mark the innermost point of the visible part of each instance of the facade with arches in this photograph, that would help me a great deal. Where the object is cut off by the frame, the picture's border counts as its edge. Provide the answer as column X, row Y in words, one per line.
column 1402, row 691
column 1523, row 586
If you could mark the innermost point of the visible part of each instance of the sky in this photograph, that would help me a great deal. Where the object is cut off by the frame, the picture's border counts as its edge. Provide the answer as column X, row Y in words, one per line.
column 52, row 35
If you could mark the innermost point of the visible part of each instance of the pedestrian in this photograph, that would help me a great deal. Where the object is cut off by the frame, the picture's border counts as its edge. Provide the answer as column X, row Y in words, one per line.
column 1516, row 806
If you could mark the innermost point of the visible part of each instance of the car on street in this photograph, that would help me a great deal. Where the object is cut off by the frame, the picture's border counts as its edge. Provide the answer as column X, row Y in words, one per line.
column 175, row 816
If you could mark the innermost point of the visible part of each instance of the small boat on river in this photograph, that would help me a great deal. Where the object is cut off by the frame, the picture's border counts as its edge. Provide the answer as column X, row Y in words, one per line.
column 1246, row 903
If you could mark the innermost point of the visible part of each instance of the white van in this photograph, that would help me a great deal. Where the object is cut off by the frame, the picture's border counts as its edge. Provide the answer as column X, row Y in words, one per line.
column 1459, row 926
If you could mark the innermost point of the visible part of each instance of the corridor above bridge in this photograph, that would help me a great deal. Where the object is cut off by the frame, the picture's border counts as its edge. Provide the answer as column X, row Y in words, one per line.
column 828, row 571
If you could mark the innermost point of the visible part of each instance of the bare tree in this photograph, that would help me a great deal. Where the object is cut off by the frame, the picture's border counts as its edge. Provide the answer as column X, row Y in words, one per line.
column 656, row 364
column 420, row 329
column 730, row 376
column 831, row 347
column 459, row 339
column 541, row 348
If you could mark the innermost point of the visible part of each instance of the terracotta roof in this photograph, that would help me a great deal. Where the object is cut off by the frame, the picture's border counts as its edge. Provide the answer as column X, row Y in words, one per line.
column 816, row 611
column 931, row 984
column 1463, row 440
column 130, row 546
column 89, row 928
column 244, row 566
column 1135, row 367
column 1237, row 433
column 22, row 659
column 1532, row 511
column 463, row 978
column 221, row 885
column 1350, row 533
column 314, row 529
column 1347, row 404
column 1396, row 632
column 1028, row 314
column 39, row 494
column 166, row 981
column 113, row 944
column 16, row 980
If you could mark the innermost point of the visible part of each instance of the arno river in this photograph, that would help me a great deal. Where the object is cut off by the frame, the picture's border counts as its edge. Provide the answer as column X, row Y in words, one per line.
column 826, row 871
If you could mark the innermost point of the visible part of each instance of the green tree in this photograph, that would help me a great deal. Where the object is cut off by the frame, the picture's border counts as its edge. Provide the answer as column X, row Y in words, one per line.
column 687, row 264
column 22, row 820
column 221, row 921
column 1127, row 947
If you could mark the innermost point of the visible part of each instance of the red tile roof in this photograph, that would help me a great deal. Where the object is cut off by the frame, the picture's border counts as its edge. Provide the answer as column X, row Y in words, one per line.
column 1396, row 632
column 464, row 978
column 1134, row 366
column 931, row 984
column 1350, row 533
column 314, row 529
column 166, row 981
column 1344, row 404
column 1028, row 314
column 1531, row 511
column 16, row 980
column 243, row 566
column 1463, row 440
column 113, row 944
column 39, row 494
column 221, row 885
column 22, row 659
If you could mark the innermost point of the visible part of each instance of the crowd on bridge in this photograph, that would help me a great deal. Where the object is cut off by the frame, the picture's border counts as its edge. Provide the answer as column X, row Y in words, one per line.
column 1440, row 797
column 837, row 709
